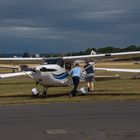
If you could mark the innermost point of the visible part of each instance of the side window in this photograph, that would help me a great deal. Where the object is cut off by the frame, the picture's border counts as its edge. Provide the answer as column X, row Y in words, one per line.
column 60, row 62
column 68, row 66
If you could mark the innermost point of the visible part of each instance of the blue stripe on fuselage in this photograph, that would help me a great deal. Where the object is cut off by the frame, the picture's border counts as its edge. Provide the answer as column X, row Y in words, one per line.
column 60, row 76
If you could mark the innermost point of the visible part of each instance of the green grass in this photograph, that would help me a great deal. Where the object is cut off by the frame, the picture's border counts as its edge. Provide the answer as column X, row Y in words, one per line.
column 17, row 90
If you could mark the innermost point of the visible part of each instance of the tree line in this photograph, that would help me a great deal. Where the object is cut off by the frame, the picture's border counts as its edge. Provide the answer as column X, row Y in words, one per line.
column 108, row 49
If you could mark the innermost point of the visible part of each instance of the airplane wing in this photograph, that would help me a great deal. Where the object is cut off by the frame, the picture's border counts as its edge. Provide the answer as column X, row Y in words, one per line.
column 66, row 58
column 21, row 60
column 119, row 70
column 99, row 56
column 7, row 75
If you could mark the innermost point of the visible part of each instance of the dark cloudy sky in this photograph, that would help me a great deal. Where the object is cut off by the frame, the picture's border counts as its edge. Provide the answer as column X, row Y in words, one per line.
column 67, row 25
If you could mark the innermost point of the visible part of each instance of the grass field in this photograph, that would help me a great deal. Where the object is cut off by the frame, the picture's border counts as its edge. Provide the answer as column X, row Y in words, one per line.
column 17, row 90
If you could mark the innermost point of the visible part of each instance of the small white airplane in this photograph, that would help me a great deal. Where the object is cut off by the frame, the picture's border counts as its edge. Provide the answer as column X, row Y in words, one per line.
column 55, row 72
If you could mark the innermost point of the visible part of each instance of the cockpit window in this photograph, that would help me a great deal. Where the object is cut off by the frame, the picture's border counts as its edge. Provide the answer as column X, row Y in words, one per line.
column 43, row 69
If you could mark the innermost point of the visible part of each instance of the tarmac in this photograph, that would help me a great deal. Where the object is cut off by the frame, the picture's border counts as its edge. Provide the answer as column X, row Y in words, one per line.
column 71, row 121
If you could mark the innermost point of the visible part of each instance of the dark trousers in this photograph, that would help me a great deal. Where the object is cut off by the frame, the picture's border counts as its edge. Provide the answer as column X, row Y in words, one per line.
column 75, row 83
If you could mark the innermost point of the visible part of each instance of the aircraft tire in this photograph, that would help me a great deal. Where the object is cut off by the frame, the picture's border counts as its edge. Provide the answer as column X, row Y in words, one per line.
column 44, row 94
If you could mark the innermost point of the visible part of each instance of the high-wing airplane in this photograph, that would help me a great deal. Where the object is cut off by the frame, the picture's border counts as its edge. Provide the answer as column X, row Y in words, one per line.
column 54, row 71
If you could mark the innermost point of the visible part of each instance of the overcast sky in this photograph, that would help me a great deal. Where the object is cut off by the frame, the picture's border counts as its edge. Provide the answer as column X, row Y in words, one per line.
column 67, row 25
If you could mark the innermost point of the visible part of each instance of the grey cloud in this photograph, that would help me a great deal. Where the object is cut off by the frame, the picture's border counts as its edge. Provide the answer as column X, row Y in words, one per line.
column 76, row 24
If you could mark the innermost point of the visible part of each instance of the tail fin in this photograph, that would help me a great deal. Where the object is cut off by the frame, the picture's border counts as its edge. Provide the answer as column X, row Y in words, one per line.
column 92, row 52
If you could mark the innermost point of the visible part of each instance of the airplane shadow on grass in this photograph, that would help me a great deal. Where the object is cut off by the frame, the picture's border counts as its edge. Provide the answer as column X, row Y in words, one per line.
column 31, row 96
column 16, row 83
column 114, row 93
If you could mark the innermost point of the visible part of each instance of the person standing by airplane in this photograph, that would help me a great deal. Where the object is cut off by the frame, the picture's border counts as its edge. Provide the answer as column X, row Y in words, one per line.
column 90, row 78
column 75, row 73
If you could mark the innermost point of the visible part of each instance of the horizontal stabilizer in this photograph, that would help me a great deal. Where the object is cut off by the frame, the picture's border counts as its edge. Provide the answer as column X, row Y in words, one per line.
column 7, row 75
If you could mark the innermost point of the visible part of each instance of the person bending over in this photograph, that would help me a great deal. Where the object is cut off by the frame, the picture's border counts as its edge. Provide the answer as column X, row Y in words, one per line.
column 75, row 73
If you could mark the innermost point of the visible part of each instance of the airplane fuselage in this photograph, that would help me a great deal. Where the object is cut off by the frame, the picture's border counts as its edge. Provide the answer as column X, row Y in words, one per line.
column 50, row 75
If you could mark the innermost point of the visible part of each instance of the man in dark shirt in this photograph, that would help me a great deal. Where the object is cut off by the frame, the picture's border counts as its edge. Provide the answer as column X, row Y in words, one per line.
column 90, row 76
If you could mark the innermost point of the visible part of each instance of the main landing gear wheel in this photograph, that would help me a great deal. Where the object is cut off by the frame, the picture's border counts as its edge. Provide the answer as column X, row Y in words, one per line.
column 44, row 94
